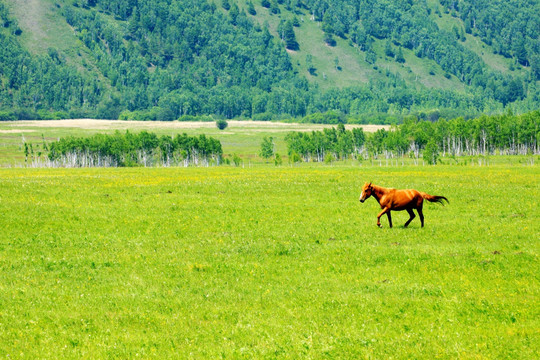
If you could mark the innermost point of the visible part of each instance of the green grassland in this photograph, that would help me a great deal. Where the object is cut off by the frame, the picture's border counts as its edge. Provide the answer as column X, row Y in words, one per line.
column 267, row 262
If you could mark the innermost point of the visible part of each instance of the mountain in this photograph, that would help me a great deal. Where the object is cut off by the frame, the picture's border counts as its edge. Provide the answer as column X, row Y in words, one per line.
column 371, row 60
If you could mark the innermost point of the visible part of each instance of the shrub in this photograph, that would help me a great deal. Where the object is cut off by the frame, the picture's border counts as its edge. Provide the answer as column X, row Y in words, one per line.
column 277, row 160
column 236, row 160
column 431, row 153
column 7, row 116
column 295, row 158
column 221, row 124
column 328, row 158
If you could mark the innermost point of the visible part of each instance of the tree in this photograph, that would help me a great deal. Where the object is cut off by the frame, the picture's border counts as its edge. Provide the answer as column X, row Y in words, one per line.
column 251, row 9
column 431, row 152
column 274, row 7
column 267, row 147
column 327, row 23
column 288, row 36
column 221, row 124
column 388, row 51
column 329, row 39
column 277, row 160
column 520, row 52
column 309, row 64
column 225, row 4
column 399, row 56
column 236, row 160
column 371, row 57
column 233, row 14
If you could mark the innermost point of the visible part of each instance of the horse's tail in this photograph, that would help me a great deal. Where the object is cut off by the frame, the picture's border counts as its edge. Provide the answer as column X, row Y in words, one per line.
column 435, row 198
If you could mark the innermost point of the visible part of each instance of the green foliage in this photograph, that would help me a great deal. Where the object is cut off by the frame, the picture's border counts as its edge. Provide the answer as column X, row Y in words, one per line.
column 155, row 113
column 251, row 8
column 278, row 161
column 431, row 152
column 128, row 149
column 520, row 19
column 399, row 56
column 267, row 148
column 159, row 60
column 294, row 158
column 237, row 161
column 309, row 64
column 329, row 39
column 328, row 158
column 221, row 124
column 503, row 134
column 7, row 116
column 410, row 26
column 388, row 50
column 289, row 37
column 329, row 117
column 206, row 118
column 325, row 145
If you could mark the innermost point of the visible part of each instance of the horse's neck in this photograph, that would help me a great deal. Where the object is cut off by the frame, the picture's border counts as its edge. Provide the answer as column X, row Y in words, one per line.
column 378, row 192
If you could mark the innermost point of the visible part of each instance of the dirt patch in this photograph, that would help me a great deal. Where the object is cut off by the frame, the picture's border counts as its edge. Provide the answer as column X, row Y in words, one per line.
column 149, row 125
column 14, row 131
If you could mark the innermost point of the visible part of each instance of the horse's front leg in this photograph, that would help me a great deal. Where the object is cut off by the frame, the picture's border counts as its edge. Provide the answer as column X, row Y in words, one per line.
column 389, row 217
column 381, row 214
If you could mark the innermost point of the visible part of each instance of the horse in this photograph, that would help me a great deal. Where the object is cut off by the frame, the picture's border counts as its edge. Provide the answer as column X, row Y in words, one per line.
column 398, row 200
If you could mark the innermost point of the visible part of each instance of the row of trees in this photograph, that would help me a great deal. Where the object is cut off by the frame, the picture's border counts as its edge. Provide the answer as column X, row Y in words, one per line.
column 318, row 145
column 129, row 149
column 502, row 134
column 506, row 134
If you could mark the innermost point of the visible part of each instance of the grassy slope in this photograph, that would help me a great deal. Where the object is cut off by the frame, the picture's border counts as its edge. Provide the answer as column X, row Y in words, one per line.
column 266, row 263
column 354, row 70
column 475, row 44
column 44, row 27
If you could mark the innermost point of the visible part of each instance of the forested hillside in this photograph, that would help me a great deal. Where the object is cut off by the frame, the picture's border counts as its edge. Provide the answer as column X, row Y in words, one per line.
column 373, row 60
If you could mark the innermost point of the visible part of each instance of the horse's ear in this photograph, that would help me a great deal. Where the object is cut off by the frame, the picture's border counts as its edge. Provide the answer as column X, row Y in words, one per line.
column 369, row 184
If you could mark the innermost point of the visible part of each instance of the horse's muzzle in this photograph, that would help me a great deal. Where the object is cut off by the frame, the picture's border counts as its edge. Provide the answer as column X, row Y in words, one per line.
column 362, row 200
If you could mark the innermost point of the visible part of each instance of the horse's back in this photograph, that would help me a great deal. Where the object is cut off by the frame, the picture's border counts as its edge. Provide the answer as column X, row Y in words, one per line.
column 405, row 199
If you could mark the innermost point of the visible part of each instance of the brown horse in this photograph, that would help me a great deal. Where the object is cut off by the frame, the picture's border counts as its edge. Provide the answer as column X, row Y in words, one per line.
column 392, row 199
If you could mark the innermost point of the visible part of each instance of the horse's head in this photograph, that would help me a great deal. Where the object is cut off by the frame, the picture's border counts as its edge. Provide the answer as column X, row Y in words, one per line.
column 366, row 192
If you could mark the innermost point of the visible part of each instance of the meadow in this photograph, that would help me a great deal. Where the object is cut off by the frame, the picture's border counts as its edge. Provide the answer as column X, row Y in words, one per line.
column 267, row 262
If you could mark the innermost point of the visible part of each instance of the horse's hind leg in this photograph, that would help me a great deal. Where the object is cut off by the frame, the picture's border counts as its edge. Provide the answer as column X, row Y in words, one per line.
column 412, row 216
column 421, row 216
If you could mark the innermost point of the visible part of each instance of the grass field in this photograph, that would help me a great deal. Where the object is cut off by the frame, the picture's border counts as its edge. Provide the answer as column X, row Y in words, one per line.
column 267, row 263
